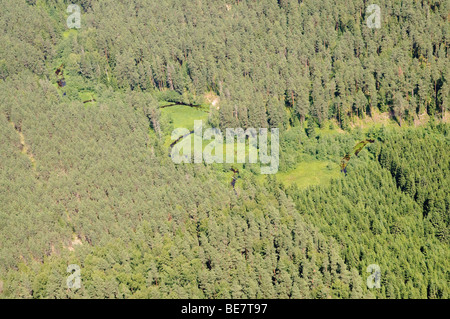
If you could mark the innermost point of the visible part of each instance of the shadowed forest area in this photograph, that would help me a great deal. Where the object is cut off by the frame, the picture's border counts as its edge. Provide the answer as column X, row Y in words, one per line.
column 85, row 178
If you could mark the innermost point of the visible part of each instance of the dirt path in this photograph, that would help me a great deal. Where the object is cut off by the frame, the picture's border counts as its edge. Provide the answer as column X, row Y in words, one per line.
column 25, row 148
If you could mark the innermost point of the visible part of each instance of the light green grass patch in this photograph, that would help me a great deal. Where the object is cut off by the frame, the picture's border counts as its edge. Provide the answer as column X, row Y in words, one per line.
column 184, row 116
column 69, row 32
column 310, row 173
column 87, row 95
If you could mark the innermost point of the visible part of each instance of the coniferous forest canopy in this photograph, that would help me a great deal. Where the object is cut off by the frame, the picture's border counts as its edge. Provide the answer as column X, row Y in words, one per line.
column 85, row 178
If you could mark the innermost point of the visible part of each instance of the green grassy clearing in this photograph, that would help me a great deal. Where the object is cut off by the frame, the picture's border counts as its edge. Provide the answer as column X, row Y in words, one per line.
column 310, row 173
column 304, row 175
column 184, row 116
column 87, row 95
column 69, row 32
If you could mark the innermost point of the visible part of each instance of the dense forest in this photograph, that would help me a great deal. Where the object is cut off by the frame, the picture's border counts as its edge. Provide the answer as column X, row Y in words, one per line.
column 85, row 178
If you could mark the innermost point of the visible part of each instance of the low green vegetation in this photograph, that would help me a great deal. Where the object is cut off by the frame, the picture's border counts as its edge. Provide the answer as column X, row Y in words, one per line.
column 310, row 173
column 183, row 116
column 87, row 96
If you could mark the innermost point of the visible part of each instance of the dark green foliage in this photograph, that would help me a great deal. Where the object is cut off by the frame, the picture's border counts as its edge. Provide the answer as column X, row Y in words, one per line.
column 91, row 184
